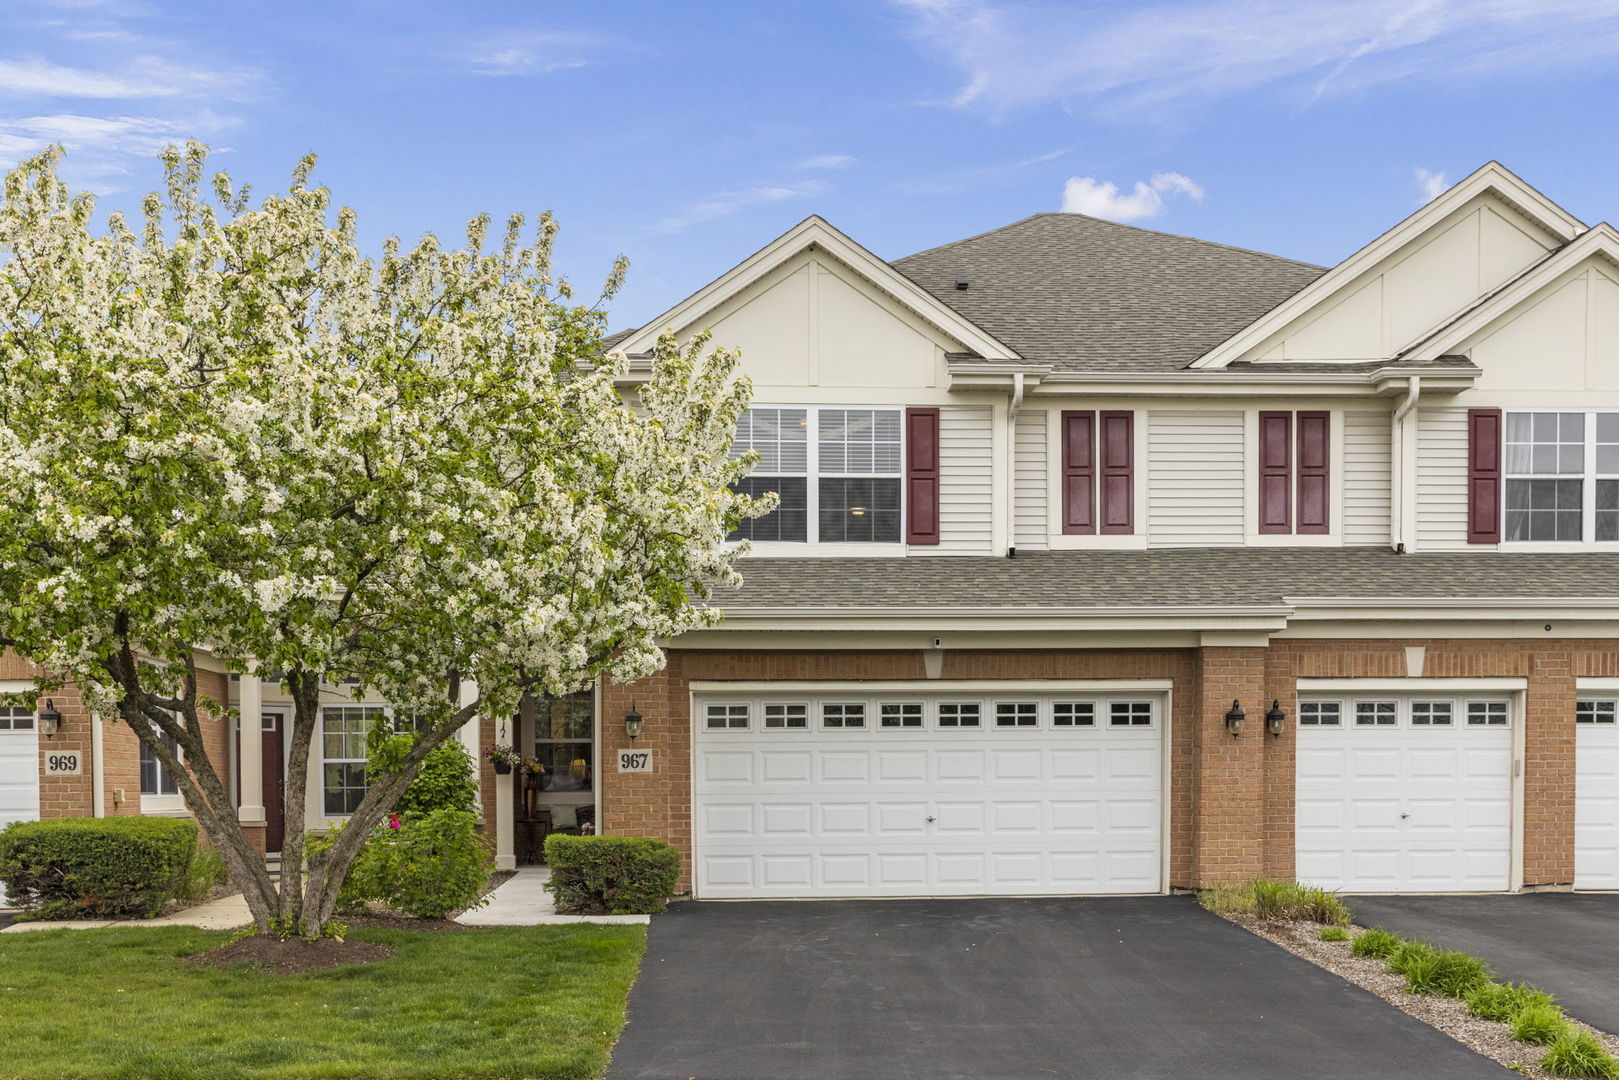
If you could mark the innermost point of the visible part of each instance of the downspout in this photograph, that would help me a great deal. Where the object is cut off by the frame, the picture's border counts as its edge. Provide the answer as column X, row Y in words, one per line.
column 1413, row 390
column 98, row 771
column 1011, row 463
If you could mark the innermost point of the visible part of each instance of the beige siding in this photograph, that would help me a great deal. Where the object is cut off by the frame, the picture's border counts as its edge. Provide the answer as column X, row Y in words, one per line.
column 1194, row 478
column 966, row 480
column 1366, row 478
column 1029, row 521
column 1441, row 478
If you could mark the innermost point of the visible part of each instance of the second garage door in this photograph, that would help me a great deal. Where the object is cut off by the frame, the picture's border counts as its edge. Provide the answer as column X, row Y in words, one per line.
column 851, row 791
column 1596, row 794
column 1405, row 794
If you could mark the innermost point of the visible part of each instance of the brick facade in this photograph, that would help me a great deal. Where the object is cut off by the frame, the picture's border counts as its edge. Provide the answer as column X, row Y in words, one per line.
column 1230, row 798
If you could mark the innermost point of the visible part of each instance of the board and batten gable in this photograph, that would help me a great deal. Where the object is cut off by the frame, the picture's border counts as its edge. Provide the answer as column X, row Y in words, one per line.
column 1559, row 346
column 1418, row 287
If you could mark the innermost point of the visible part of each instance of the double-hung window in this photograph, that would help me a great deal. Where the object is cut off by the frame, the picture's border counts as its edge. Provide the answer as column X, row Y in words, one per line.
column 839, row 473
column 156, row 778
column 1561, row 474
column 343, row 733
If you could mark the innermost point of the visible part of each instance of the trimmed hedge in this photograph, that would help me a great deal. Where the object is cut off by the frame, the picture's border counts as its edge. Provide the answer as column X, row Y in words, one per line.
column 71, row 868
column 611, row 875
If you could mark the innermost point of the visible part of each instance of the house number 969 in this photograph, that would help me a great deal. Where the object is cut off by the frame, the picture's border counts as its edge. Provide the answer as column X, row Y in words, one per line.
column 635, row 761
column 62, row 764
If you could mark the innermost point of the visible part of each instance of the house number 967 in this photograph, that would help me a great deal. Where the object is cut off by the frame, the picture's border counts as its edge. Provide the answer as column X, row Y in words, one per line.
column 635, row 761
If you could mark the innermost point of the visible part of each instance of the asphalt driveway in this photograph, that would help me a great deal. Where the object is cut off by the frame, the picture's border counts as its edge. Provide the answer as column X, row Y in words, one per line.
column 1564, row 943
column 1002, row 990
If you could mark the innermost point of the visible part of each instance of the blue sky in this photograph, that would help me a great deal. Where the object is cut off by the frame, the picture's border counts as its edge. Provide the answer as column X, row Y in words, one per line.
column 687, row 135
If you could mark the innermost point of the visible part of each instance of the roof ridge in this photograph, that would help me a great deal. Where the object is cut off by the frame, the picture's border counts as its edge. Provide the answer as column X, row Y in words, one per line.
column 1116, row 225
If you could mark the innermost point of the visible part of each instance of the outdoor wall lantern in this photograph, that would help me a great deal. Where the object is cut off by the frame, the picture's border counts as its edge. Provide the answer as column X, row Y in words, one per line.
column 1275, row 718
column 50, row 720
column 1234, row 717
column 632, row 723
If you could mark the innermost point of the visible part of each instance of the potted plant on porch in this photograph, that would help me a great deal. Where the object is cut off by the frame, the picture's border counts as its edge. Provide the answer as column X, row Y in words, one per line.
column 503, row 758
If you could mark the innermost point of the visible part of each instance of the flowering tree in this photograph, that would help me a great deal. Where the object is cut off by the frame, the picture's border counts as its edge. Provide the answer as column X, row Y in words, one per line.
column 231, row 433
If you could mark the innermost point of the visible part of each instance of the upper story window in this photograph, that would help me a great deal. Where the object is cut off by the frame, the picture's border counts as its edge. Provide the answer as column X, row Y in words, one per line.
column 1561, row 474
column 839, row 472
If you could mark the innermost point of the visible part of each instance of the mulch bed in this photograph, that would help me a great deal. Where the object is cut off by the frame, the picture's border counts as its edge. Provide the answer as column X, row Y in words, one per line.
column 292, row 956
column 1493, row 1040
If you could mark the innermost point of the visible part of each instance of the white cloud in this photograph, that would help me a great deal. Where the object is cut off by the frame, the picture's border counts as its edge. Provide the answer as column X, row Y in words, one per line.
column 825, row 161
column 145, row 77
column 1433, row 184
column 1158, row 57
column 93, row 142
column 1103, row 199
column 727, row 203
column 528, row 53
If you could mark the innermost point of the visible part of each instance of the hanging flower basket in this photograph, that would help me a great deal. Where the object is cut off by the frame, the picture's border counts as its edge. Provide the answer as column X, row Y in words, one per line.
column 503, row 758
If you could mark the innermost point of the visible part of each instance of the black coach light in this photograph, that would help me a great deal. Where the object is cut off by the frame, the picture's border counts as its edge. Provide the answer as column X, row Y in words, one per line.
column 632, row 723
column 1275, row 718
column 1234, row 717
column 50, row 720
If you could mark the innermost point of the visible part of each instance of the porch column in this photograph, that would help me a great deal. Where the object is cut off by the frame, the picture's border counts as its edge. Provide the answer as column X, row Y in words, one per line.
column 505, row 846
column 250, row 747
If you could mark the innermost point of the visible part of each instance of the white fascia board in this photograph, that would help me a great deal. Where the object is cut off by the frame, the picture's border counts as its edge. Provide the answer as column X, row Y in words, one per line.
column 16, row 686
column 1514, row 608
column 1493, row 176
column 1412, row 686
column 931, row 686
column 816, row 231
column 1596, row 685
column 1249, row 382
column 1244, row 617
column 1600, row 240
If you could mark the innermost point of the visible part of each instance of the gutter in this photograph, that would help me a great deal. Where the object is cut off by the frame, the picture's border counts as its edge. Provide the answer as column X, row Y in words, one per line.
column 98, row 769
column 1413, row 390
column 1012, row 409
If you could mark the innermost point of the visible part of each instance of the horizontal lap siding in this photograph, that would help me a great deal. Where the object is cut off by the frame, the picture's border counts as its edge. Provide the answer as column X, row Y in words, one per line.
column 1030, row 521
column 1442, row 478
column 1366, row 478
column 966, row 479
column 1194, row 478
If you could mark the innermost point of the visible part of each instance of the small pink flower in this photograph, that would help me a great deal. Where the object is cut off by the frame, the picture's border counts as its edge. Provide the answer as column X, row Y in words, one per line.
column 393, row 821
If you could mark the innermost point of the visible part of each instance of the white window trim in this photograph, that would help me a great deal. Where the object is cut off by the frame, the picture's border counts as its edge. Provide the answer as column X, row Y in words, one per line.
column 812, row 487
column 387, row 711
column 1588, row 486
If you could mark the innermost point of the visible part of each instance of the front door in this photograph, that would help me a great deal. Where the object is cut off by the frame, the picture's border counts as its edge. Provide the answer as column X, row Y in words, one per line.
column 274, row 774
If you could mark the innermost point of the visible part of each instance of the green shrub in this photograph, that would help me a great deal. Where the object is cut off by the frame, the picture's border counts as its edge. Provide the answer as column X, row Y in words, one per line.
column 1445, row 974
column 68, row 868
column 447, row 780
column 206, row 872
column 1333, row 933
column 1408, row 953
column 1376, row 943
column 1502, row 1001
column 1579, row 1053
column 431, row 865
column 1269, row 898
column 614, row 875
column 1539, row 1024
column 1323, row 906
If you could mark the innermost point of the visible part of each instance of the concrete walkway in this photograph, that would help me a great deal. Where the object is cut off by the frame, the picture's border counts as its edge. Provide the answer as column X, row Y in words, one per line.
column 523, row 900
column 226, row 913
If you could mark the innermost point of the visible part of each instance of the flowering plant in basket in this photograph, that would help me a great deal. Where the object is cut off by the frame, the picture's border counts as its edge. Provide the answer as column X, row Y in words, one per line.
column 503, row 758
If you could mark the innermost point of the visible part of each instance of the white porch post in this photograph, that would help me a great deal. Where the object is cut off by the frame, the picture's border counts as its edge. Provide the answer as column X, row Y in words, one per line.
column 250, row 747
column 505, row 847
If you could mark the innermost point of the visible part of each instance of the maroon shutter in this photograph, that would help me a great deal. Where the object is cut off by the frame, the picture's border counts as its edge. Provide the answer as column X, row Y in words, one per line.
column 921, row 476
column 1116, row 448
column 1483, row 476
column 1078, row 472
column 1314, row 457
column 1275, row 472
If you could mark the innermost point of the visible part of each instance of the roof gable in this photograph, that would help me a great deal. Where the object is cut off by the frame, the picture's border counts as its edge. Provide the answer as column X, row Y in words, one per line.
column 814, row 232
column 1341, row 299
column 1084, row 294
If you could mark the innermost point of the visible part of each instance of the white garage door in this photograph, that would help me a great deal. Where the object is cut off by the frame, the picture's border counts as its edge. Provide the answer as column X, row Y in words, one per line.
column 1405, row 794
column 1596, row 795
column 853, row 792
column 19, row 768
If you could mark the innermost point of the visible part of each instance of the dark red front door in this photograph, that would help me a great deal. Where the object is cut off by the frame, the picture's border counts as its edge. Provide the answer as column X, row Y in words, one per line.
column 274, row 818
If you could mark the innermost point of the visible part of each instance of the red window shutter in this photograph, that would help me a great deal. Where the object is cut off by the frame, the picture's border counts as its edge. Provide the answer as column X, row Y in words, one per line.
column 1079, row 472
column 1483, row 476
column 1275, row 472
column 1117, row 450
column 1314, row 481
column 921, row 476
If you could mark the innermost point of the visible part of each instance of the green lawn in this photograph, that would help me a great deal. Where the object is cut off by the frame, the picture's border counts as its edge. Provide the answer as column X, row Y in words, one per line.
column 545, row 1001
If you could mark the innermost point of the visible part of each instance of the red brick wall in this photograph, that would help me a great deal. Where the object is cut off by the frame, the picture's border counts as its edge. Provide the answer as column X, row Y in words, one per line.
column 1231, row 799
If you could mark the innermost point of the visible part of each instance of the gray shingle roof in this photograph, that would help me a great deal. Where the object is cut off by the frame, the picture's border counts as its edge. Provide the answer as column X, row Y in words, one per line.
column 1085, row 294
column 1182, row 577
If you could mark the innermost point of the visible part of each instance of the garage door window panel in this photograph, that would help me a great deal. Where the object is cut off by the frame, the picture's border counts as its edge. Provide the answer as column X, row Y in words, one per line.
column 1376, row 714
column 960, row 714
column 1130, row 714
column 1017, row 714
column 1321, row 714
column 1073, row 714
column 792, row 716
column 16, row 718
column 1596, row 712
column 901, row 715
column 731, row 716
column 1432, row 714
column 1487, row 714
column 843, row 715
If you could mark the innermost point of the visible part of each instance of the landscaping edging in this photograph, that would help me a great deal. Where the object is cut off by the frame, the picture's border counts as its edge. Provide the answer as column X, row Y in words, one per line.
column 1490, row 1038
